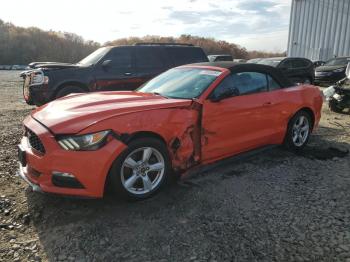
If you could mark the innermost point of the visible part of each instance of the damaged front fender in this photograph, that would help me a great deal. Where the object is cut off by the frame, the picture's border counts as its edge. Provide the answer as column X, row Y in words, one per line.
column 179, row 128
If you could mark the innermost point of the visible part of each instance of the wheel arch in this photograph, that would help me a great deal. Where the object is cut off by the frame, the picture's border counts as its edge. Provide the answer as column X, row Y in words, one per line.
column 127, row 139
column 143, row 134
column 69, row 83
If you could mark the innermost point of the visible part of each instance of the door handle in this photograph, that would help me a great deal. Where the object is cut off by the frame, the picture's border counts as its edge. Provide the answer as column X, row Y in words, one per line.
column 127, row 74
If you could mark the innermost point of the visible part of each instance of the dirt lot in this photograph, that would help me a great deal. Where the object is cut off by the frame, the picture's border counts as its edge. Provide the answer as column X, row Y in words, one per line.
column 269, row 206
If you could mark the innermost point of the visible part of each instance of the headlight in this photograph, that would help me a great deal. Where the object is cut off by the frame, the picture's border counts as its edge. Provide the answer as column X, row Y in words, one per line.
column 37, row 77
column 84, row 142
column 339, row 70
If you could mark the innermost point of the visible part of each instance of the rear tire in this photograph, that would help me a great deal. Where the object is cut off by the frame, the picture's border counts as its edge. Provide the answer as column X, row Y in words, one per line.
column 69, row 90
column 298, row 132
column 141, row 170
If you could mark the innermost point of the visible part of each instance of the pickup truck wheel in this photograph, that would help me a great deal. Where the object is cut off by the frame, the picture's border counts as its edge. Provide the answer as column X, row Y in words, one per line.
column 298, row 132
column 140, row 170
column 69, row 90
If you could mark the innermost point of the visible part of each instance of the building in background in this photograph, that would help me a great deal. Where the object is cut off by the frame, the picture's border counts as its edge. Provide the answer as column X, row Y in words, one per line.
column 319, row 29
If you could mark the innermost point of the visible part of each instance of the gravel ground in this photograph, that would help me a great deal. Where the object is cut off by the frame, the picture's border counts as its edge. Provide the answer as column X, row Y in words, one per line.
column 268, row 206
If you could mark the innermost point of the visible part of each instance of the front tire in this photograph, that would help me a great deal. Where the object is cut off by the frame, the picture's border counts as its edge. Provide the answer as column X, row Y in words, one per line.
column 298, row 132
column 141, row 170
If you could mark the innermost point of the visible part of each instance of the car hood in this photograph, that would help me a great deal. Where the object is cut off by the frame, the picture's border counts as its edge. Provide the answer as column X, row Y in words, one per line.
column 329, row 68
column 73, row 113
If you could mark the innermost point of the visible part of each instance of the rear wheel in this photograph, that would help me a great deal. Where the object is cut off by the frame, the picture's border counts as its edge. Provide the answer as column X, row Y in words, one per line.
column 141, row 170
column 298, row 133
column 69, row 90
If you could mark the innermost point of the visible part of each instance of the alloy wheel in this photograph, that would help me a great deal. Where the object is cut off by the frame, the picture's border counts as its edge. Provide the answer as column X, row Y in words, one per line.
column 301, row 129
column 142, row 170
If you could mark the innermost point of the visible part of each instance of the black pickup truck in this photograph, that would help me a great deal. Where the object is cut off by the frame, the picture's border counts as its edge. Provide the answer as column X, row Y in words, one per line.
column 108, row 68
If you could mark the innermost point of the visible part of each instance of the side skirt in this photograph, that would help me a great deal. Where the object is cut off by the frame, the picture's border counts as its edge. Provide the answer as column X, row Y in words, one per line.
column 226, row 161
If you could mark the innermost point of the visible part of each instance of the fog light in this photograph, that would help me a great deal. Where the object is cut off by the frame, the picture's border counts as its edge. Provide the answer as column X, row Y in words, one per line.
column 63, row 179
column 33, row 172
column 62, row 174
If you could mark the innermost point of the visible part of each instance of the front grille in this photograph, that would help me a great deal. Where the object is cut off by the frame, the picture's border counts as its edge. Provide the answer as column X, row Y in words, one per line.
column 35, row 141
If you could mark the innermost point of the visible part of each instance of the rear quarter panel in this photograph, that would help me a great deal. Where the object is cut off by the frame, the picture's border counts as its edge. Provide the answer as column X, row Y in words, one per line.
column 288, row 101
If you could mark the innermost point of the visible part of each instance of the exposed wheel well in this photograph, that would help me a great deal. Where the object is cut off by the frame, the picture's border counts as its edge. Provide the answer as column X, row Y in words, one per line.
column 72, row 83
column 143, row 134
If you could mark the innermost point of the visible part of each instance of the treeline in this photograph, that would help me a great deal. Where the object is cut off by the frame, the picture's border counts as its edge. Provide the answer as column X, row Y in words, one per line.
column 20, row 45
column 210, row 45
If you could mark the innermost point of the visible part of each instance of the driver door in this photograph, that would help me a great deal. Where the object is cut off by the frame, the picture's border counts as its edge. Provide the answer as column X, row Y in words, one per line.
column 237, row 123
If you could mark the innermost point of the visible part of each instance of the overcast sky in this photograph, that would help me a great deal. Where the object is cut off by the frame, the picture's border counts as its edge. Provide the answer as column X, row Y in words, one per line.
column 254, row 24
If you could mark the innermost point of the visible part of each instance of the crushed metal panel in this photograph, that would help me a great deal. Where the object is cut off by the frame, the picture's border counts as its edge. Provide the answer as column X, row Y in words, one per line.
column 185, row 150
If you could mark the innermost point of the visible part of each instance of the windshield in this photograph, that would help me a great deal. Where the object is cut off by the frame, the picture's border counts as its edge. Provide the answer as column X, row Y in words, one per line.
column 94, row 57
column 183, row 83
column 270, row 62
column 338, row 61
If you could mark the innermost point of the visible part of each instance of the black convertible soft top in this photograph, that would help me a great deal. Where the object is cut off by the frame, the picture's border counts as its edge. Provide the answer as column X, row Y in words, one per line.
column 276, row 73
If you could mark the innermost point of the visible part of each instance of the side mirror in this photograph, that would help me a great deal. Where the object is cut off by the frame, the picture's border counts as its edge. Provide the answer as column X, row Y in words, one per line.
column 347, row 72
column 227, row 93
column 105, row 64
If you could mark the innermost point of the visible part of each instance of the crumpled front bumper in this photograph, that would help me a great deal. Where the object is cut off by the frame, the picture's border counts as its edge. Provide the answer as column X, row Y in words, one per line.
column 89, row 168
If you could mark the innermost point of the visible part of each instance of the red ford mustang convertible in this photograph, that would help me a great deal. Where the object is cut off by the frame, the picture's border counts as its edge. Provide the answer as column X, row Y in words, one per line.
column 188, row 116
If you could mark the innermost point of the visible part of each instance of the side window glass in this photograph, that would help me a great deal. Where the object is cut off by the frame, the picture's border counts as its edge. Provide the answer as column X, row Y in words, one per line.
column 148, row 58
column 250, row 82
column 273, row 85
column 121, row 58
column 185, row 55
column 225, row 86
column 242, row 84
column 298, row 63
column 286, row 64
column 306, row 63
